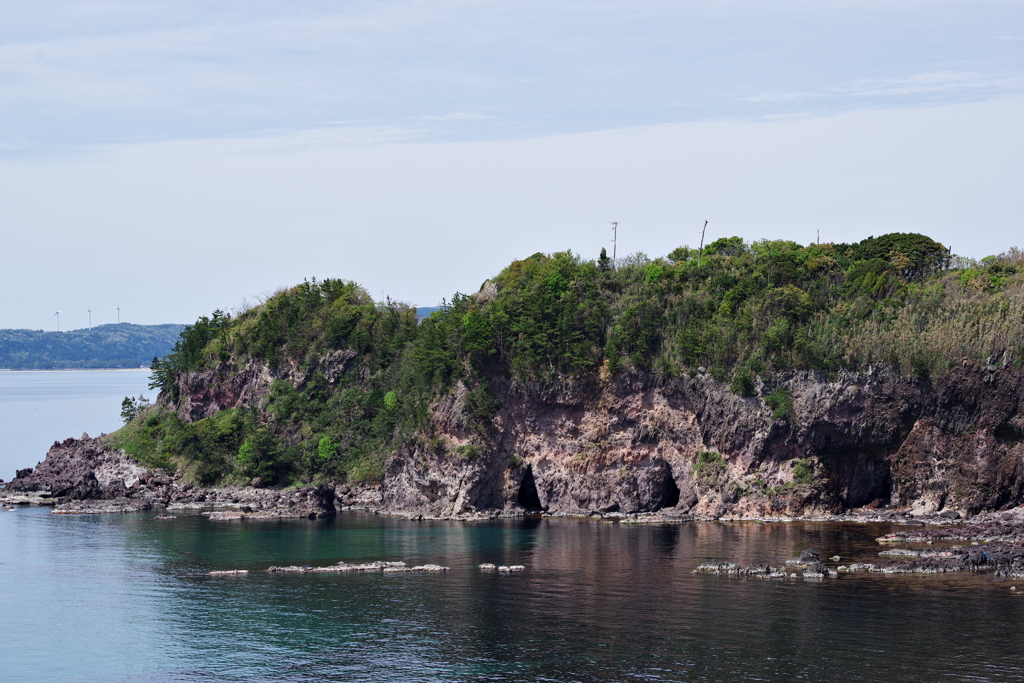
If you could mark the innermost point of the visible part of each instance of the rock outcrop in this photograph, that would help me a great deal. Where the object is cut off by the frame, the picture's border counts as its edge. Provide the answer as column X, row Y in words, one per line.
column 86, row 476
column 639, row 443
column 84, row 469
column 634, row 444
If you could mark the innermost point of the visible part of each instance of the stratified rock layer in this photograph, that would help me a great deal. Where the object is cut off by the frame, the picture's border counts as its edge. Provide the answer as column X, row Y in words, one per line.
column 633, row 444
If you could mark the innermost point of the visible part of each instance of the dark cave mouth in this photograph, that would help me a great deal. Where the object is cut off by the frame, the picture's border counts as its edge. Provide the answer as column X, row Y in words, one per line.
column 528, row 497
column 670, row 496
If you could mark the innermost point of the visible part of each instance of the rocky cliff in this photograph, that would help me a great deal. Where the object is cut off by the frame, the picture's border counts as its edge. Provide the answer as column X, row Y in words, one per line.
column 637, row 443
column 689, row 446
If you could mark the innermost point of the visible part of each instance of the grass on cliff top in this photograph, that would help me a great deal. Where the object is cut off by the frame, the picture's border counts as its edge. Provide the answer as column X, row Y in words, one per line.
column 741, row 310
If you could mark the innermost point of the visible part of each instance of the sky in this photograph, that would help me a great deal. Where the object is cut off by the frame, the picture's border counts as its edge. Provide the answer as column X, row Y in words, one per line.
column 171, row 158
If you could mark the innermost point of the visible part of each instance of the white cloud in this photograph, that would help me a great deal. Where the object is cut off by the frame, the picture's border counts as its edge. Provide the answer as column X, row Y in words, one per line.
column 81, row 73
column 457, row 116
column 944, row 81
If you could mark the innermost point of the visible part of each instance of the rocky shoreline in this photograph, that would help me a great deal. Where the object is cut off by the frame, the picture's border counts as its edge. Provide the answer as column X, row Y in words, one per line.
column 996, row 547
column 86, row 476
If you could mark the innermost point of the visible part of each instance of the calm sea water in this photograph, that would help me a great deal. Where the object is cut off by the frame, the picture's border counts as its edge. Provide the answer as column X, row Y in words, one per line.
column 126, row 598
column 38, row 408
column 114, row 598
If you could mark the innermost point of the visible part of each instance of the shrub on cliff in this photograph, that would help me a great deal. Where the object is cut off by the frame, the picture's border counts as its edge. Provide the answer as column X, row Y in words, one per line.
column 741, row 310
column 780, row 400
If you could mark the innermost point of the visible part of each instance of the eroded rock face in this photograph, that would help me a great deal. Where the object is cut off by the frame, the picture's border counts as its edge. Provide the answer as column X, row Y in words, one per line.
column 84, row 476
column 634, row 444
column 205, row 392
column 82, row 469
column 637, row 443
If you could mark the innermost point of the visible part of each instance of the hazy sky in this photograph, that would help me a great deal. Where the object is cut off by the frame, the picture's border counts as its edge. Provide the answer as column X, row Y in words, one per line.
column 175, row 157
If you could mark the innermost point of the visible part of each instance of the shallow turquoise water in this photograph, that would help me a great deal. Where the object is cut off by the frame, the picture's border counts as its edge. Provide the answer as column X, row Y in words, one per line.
column 126, row 598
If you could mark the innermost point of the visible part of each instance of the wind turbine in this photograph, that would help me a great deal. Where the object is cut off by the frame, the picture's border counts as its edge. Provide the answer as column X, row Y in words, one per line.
column 118, row 315
column 90, row 318
column 58, row 319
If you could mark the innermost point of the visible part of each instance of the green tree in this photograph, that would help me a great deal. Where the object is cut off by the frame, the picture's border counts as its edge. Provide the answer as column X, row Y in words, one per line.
column 326, row 449
column 131, row 407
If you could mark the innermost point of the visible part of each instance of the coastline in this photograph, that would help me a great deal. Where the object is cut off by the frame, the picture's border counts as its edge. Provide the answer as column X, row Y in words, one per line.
column 77, row 370
column 86, row 476
column 990, row 544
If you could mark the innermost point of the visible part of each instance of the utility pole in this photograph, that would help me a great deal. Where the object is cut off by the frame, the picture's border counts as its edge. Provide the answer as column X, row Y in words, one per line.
column 700, row 254
column 615, row 239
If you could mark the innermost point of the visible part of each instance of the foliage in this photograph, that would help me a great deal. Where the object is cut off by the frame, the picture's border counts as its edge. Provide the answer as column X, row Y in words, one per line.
column 780, row 400
column 359, row 377
column 326, row 449
column 207, row 449
column 708, row 466
column 104, row 346
column 132, row 406
column 742, row 383
column 803, row 472
column 259, row 456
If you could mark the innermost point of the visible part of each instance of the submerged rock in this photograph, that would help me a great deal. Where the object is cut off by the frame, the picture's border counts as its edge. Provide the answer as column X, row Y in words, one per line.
column 97, row 507
column 340, row 568
column 810, row 556
column 759, row 570
column 816, row 570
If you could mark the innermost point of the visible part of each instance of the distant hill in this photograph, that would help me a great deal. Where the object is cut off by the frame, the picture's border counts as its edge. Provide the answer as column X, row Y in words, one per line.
column 105, row 346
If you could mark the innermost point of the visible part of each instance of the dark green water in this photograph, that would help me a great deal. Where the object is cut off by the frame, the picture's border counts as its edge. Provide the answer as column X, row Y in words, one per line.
column 126, row 598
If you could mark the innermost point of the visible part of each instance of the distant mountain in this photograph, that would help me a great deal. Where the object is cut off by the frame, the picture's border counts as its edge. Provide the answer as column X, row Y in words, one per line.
column 105, row 346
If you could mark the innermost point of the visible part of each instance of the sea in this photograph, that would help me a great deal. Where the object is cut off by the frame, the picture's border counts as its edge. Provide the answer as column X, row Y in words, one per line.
column 112, row 598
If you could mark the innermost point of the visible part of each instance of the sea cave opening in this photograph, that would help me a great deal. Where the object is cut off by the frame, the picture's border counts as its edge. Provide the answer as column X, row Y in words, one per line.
column 528, row 497
column 670, row 496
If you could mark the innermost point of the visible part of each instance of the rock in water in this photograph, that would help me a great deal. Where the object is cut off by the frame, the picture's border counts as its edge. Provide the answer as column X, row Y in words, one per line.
column 810, row 556
column 816, row 571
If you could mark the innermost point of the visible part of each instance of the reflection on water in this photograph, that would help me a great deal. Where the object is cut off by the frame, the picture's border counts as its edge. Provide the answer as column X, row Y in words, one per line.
column 126, row 598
